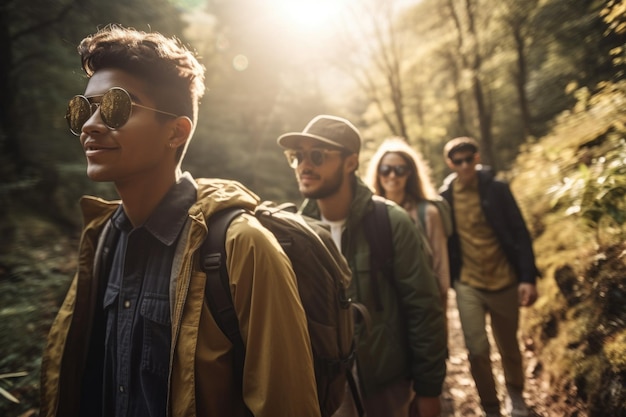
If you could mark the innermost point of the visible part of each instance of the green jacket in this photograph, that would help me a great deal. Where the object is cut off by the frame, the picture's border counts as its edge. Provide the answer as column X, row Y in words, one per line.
column 278, row 375
column 406, row 338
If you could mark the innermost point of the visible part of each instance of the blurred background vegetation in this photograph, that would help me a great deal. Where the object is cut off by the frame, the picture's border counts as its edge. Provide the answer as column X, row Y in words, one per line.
column 540, row 83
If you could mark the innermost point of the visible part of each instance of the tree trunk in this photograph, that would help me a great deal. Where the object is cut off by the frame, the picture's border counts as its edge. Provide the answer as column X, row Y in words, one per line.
column 9, row 138
column 520, row 82
column 484, row 114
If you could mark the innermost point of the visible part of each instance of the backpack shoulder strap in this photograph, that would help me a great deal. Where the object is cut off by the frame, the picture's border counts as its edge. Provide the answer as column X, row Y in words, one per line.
column 217, row 289
column 421, row 213
column 444, row 213
column 377, row 228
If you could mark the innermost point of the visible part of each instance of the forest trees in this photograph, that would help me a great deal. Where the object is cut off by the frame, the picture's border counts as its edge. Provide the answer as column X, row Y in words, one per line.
column 40, row 162
column 378, row 67
column 430, row 70
column 38, row 41
column 518, row 17
column 496, row 70
column 16, row 58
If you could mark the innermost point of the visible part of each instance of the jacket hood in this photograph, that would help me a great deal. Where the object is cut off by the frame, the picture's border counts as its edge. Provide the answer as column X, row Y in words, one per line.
column 217, row 194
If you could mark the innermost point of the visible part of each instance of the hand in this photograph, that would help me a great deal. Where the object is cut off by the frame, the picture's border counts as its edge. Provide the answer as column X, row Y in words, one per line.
column 527, row 294
column 425, row 407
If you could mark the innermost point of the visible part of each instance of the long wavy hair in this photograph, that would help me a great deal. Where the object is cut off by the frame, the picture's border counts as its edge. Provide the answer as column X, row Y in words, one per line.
column 418, row 185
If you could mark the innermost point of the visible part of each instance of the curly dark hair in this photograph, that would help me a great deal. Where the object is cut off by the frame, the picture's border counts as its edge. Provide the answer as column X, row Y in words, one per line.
column 165, row 64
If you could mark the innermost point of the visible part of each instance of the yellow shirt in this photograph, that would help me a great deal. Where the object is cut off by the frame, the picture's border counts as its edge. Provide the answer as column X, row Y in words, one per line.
column 484, row 263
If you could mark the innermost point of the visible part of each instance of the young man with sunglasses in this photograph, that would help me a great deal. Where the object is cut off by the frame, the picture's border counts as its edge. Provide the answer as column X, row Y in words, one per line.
column 134, row 336
column 492, row 266
column 400, row 358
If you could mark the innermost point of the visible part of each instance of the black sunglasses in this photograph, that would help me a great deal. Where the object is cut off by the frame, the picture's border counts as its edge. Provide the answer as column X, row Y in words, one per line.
column 399, row 170
column 115, row 105
column 467, row 160
column 316, row 156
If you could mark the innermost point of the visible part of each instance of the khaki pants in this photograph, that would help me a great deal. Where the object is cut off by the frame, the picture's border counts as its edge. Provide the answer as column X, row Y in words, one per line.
column 503, row 309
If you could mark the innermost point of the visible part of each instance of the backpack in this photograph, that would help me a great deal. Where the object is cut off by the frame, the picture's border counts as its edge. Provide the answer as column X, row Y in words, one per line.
column 444, row 212
column 323, row 276
column 377, row 229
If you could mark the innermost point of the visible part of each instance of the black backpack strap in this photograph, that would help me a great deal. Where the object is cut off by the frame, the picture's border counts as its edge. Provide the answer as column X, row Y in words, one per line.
column 377, row 227
column 356, row 395
column 217, row 289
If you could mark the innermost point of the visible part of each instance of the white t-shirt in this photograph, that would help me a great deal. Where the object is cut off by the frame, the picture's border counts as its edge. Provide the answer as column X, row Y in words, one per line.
column 336, row 229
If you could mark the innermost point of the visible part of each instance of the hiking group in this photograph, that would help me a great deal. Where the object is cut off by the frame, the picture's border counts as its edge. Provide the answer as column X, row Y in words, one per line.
column 193, row 298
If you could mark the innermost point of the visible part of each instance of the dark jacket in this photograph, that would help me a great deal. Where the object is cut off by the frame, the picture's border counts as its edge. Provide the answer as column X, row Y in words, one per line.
column 407, row 338
column 504, row 216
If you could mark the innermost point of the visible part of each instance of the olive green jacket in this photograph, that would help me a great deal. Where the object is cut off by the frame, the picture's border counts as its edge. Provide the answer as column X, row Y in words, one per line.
column 407, row 338
column 278, row 375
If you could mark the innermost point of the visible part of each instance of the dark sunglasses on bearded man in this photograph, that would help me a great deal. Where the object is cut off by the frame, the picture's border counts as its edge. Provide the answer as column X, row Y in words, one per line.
column 115, row 105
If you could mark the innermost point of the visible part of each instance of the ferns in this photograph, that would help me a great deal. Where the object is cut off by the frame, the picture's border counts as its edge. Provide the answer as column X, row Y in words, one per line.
column 596, row 192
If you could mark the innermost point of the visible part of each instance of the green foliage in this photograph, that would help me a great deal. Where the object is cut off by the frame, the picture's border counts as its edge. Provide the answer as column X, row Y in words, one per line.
column 614, row 350
column 290, row 78
column 572, row 184
column 597, row 191
column 604, row 195
column 37, row 260
column 40, row 71
column 594, row 189
column 615, row 15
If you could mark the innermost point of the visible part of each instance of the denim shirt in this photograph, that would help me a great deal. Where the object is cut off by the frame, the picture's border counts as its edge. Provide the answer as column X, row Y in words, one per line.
column 137, row 309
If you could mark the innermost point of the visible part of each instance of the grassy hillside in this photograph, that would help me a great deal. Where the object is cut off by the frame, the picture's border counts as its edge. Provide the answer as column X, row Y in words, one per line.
column 572, row 188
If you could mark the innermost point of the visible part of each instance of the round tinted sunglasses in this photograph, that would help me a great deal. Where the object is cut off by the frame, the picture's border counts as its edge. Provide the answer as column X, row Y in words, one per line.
column 399, row 170
column 316, row 156
column 116, row 107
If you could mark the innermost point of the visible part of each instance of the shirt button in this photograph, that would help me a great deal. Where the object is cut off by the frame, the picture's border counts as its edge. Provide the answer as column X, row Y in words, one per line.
column 122, row 388
column 126, row 304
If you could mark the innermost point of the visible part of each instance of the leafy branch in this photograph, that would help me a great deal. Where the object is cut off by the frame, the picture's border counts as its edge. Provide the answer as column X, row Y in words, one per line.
column 596, row 192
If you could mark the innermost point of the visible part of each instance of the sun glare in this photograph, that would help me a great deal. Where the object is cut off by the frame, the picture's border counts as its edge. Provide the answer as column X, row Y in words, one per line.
column 308, row 14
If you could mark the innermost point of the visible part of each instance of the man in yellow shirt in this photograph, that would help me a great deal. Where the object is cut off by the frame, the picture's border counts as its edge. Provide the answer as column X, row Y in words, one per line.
column 492, row 266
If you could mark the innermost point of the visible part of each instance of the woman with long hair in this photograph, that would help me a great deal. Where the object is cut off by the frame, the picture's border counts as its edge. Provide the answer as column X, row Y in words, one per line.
column 399, row 173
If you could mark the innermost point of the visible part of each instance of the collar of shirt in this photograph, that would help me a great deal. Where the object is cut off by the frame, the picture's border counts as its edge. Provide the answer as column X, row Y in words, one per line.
column 168, row 218
column 470, row 186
